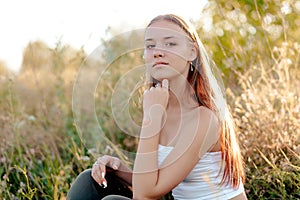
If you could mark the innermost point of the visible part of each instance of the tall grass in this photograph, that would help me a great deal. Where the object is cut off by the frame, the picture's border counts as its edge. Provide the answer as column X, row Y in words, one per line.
column 266, row 111
column 41, row 152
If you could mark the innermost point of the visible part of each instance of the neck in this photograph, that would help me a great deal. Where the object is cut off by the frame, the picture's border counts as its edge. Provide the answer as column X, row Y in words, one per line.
column 181, row 95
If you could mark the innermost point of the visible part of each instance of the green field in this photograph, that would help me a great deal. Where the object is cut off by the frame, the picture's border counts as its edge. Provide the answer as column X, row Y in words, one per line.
column 42, row 153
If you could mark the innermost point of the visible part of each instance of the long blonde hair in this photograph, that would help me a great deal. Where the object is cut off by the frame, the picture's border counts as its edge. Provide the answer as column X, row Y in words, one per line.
column 209, row 94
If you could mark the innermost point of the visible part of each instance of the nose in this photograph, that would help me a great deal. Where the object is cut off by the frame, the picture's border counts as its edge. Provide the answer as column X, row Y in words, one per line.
column 158, row 53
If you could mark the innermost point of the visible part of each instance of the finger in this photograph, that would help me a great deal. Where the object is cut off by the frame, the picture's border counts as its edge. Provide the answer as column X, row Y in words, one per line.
column 95, row 173
column 100, row 176
column 152, row 88
column 165, row 84
column 146, row 91
column 103, row 180
column 101, row 162
column 115, row 164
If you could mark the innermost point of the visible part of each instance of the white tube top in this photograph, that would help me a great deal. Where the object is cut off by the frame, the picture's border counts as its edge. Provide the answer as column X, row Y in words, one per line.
column 203, row 181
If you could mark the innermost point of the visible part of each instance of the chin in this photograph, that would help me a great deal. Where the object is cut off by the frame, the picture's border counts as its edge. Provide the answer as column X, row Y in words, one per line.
column 160, row 75
column 160, row 78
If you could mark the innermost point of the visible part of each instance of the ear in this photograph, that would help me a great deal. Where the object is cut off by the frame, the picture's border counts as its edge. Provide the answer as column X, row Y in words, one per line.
column 193, row 52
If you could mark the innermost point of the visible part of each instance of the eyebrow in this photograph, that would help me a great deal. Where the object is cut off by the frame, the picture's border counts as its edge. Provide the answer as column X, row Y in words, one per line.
column 165, row 38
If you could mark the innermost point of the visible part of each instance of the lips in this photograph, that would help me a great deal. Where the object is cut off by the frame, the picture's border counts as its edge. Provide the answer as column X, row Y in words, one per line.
column 159, row 63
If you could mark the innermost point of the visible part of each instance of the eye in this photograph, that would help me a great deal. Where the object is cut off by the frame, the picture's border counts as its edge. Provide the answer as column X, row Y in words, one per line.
column 169, row 44
column 150, row 46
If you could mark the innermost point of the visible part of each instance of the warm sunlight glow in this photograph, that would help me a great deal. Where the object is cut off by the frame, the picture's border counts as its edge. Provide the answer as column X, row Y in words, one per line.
column 78, row 23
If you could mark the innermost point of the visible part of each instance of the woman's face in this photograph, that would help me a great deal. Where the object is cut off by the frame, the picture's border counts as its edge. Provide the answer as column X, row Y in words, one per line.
column 167, row 50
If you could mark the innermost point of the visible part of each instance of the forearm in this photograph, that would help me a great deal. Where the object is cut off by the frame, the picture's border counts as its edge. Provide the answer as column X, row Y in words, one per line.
column 146, row 162
column 145, row 174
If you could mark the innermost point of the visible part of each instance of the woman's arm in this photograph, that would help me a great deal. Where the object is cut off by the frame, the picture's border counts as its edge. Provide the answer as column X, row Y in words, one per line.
column 149, row 182
column 145, row 169
column 146, row 162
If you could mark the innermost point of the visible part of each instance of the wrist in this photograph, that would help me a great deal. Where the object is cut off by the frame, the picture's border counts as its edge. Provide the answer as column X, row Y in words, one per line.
column 154, row 114
column 153, row 120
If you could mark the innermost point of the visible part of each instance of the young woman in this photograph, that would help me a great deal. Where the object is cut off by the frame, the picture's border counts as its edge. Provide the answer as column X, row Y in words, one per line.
column 187, row 141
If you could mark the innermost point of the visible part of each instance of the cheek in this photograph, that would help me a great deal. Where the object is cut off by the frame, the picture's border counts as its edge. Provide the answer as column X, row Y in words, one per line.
column 148, row 60
column 148, row 55
column 179, row 54
column 179, row 58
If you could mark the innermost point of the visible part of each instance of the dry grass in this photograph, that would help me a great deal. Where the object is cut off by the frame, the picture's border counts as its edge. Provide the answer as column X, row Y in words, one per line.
column 41, row 153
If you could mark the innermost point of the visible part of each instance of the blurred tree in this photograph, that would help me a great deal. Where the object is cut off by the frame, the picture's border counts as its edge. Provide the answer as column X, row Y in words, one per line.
column 122, row 74
column 37, row 55
column 3, row 69
column 256, row 45
column 66, row 57
column 238, row 33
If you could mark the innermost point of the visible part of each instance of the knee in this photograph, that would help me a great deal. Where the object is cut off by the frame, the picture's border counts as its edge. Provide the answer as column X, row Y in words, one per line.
column 115, row 197
column 82, row 187
column 85, row 175
column 83, row 178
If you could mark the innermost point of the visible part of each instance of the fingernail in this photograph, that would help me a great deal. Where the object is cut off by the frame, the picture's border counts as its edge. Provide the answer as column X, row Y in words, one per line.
column 102, row 174
column 104, row 184
column 115, row 167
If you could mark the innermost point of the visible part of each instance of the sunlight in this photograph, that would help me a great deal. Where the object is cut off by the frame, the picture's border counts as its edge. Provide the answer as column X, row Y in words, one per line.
column 78, row 23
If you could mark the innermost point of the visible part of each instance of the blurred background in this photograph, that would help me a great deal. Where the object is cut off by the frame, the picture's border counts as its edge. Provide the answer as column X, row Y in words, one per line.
column 43, row 45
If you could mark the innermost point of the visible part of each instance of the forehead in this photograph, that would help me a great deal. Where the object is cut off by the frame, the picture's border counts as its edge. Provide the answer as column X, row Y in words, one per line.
column 164, row 29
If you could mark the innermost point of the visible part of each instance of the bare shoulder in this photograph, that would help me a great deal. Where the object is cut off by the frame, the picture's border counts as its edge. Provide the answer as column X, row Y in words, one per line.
column 206, row 115
column 204, row 110
column 208, row 122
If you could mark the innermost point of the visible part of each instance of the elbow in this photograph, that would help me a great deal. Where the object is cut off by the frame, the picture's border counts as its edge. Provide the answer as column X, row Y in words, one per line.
column 138, row 194
column 146, row 195
column 143, row 197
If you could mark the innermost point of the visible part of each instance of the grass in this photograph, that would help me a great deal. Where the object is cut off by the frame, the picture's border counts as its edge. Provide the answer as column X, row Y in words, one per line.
column 42, row 153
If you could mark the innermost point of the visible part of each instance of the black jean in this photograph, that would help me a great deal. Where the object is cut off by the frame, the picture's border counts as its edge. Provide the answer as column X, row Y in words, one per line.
column 86, row 188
